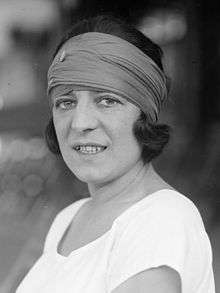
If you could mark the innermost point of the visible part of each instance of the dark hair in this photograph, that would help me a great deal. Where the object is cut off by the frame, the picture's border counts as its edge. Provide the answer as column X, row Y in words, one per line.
column 151, row 136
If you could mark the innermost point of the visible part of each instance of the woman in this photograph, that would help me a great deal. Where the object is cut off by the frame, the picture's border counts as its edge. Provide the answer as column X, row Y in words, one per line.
column 134, row 233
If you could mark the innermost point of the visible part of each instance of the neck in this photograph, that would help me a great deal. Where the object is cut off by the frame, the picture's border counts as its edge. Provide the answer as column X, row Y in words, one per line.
column 120, row 188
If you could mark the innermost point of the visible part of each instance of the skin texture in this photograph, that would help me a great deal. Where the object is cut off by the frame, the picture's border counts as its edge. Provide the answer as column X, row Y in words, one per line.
column 157, row 280
column 107, row 119
column 101, row 118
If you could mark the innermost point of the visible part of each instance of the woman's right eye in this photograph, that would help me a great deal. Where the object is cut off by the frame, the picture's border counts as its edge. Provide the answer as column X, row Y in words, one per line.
column 64, row 103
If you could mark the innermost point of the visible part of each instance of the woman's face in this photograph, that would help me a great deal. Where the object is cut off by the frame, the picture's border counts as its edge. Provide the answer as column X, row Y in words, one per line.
column 94, row 131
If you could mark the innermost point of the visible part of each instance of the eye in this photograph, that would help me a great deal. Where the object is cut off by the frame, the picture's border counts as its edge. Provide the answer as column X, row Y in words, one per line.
column 108, row 100
column 64, row 103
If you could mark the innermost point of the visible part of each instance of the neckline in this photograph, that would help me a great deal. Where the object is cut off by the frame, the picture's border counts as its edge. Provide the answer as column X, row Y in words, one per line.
column 130, row 209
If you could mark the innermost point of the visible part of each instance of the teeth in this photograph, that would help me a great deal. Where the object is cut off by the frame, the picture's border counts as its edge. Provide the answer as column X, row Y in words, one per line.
column 89, row 149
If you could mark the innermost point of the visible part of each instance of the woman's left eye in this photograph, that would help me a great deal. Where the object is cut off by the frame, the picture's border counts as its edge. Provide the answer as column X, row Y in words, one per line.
column 108, row 101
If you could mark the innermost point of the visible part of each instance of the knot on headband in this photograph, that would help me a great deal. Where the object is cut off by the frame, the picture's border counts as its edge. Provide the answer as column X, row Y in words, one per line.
column 105, row 62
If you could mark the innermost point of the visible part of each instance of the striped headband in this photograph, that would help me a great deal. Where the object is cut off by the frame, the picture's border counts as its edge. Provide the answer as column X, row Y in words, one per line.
column 103, row 62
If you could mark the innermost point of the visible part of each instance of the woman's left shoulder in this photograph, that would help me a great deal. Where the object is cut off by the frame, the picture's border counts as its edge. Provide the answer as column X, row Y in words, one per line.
column 172, row 203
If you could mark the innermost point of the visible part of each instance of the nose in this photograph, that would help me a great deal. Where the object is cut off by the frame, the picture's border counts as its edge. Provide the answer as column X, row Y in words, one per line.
column 84, row 117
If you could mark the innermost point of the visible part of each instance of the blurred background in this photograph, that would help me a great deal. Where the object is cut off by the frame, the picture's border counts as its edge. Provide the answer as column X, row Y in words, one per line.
column 34, row 184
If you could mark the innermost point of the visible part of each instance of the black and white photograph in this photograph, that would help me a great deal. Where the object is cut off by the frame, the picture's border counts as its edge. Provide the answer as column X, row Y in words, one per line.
column 109, row 146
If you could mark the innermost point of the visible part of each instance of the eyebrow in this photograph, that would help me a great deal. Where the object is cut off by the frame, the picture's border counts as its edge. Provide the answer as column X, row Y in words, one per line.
column 72, row 93
column 113, row 94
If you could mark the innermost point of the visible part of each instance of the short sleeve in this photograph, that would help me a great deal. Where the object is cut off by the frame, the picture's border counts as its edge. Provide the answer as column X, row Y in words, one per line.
column 162, row 235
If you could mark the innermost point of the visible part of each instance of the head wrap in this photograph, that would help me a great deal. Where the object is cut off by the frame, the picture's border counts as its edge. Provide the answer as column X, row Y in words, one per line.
column 103, row 62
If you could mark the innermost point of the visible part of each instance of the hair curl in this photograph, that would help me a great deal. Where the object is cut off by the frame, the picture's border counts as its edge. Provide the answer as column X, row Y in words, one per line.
column 152, row 136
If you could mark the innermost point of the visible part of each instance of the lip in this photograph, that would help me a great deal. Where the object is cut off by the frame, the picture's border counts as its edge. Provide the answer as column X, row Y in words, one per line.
column 88, row 144
column 84, row 154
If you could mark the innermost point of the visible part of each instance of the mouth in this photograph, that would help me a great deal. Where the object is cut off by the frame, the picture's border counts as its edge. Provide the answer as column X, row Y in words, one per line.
column 89, row 149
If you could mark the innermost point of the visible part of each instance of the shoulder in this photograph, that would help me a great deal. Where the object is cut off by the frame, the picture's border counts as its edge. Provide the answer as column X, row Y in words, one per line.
column 171, row 203
column 166, row 206
column 171, row 197
column 164, row 229
column 162, row 212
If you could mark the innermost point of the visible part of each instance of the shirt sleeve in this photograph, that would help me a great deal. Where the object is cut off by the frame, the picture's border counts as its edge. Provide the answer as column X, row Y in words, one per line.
column 164, row 235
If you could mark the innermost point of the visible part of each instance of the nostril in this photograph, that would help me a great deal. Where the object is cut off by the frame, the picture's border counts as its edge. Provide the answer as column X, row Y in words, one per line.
column 83, row 125
column 88, row 129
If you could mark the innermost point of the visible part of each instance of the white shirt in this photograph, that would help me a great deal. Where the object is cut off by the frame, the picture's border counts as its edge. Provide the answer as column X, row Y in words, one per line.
column 164, row 228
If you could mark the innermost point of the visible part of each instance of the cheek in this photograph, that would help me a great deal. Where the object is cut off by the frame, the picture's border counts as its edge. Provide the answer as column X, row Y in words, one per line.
column 124, row 138
column 122, row 129
column 61, row 130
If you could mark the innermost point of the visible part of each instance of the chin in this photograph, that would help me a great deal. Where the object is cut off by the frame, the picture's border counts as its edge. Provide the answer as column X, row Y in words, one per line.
column 91, row 176
column 97, row 176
